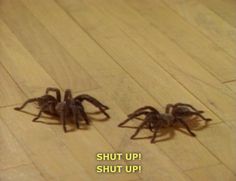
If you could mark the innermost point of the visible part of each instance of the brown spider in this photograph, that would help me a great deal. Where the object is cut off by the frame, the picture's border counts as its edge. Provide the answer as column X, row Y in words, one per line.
column 155, row 120
column 68, row 107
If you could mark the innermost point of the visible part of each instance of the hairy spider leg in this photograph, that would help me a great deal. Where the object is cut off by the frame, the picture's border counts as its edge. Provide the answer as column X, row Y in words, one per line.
column 82, row 113
column 186, row 126
column 142, row 109
column 75, row 113
column 68, row 95
column 157, row 127
column 41, row 111
column 92, row 100
column 169, row 106
column 139, row 128
column 25, row 103
column 201, row 116
column 133, row 116
column 63, row 118
column 187, row 105
column 58, row 93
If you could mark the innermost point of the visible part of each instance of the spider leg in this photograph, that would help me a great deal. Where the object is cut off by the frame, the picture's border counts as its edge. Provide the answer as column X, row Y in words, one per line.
column 142, row 109
column 97, row 104
column 75, row 114
column 139, row 128
column 83, row 113
column 63, row 120
column 68, row 95
column 168, row 107
column 40, row 112
column 201, row 116
column 154, row 135
column 187, row 105
column 186, row 126
column 25, row 103
column 58, row 93
column 157, row 125
column 92, row 100
column 131, row 117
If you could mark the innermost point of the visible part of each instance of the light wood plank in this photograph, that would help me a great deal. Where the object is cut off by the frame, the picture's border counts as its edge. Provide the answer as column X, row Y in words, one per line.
column 17, row 60
column 203, row 85
column 122, row 52
column 123, row 90
column 44, row 147
column 116, row 85
column 9, row 92
column 217, row 173
column 87, row 161
column 232, row 86
column 119, row 138
column 221, row 141
column 85, row 143
column 44, row 48
column 26, row 173
column 225, row 9
column 11, row 152
column 101, row 67
column 187, row 37
column 210, row 24
column 153, row 78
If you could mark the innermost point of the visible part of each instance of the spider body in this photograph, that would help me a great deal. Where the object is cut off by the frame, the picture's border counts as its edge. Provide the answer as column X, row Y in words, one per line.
column 69, row 107
column 50, row 101
column 155, row 120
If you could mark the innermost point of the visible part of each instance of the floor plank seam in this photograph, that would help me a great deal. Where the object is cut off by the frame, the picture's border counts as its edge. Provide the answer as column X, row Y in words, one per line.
column 218, row 14
column 188, row 90
column 108, row 54
column 23, row 148
column 52, row 36
column 16, row 166
column 198, row 30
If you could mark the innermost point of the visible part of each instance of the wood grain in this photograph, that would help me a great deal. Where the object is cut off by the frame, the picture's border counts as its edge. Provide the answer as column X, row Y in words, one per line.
column 209, row 23
column 222, row 143
column 185, row 71
column 12, row 154
column 44, row 148
column 132, row 60
column 187, row 37
column 26, row 173
column 224, row 9
column 9, row 92
column 17, row 60
column 232, row 86
column 127, row 54
column 216, row 172
column 44, row 48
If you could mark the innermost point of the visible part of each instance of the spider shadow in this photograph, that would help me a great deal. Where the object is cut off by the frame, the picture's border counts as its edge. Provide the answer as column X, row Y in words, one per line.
column 70, row 121
column 52, row 117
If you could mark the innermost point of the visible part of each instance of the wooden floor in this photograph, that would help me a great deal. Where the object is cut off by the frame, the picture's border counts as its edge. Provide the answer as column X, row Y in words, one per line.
column 127, row 54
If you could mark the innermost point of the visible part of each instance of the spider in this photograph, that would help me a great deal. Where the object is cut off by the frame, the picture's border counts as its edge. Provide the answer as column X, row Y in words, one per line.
column 155, row 120
column 68, row 107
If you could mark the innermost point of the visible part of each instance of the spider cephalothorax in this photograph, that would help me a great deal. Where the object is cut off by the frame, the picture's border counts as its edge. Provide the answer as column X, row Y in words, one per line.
column 68, row 107
column 154, row 120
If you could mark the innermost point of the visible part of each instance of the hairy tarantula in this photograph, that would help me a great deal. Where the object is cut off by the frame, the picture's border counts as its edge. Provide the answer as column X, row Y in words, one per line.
column 155, row 120
column 68, row 107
